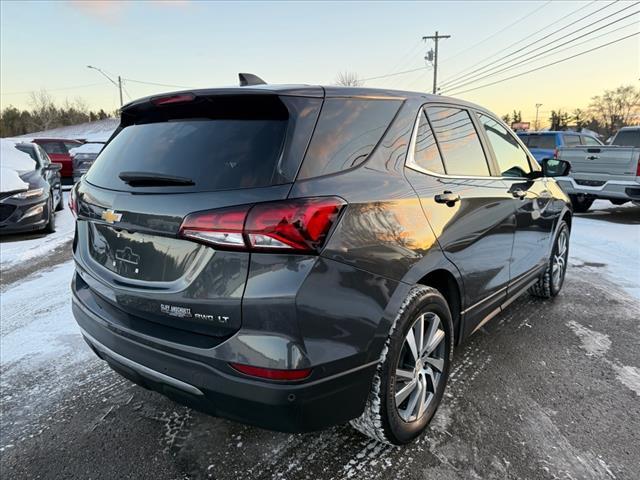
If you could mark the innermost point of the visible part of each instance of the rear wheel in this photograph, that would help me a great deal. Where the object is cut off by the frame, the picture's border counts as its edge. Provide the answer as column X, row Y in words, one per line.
column 60, row 205
column 413, row 370
column 550, row 284
column 580, row 203
column 50, row 227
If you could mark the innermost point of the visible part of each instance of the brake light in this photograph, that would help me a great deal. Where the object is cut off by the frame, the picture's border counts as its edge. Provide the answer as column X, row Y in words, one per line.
column 299, row 225
column 73, row 202
column 271, row 373
column 178, row 98
column 638, row 167
column 555, row 153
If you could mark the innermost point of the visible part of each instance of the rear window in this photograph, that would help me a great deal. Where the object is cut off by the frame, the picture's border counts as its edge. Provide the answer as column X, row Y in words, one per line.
column 627, row 138
column 347, row 132
column 214, row 153
column 547, row 142
column 54, row 148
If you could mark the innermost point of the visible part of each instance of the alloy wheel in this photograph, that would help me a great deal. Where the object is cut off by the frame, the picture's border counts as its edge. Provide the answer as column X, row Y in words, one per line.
column 559, row 260
column 420, row 367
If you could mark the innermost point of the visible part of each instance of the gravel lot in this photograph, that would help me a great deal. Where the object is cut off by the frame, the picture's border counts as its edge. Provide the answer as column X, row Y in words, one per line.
column 547, row 390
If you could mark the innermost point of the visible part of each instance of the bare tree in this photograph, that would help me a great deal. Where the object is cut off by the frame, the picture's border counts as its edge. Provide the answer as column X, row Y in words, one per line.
column 349, row 79
column 616, row 108
column 43, row 109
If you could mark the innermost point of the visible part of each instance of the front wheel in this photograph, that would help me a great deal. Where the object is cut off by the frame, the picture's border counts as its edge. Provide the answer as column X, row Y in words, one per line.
column 50, row 227
column 412, row 372
column 551, row 281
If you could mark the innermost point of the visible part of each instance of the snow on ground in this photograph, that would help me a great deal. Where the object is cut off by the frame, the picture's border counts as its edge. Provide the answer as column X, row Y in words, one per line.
column 21, row 248
column 614, row 246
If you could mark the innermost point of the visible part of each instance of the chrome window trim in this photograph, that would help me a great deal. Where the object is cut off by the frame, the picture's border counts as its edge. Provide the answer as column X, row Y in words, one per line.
column 411, row 163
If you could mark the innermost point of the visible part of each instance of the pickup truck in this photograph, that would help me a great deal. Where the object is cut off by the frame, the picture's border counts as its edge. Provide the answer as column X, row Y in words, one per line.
column 608, row 172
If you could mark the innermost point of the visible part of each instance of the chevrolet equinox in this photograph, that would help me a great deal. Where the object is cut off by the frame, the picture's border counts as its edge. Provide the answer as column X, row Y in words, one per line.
column 296, row 257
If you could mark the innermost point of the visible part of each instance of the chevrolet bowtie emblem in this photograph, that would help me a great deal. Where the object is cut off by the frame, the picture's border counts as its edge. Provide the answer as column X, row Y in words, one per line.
column 110, row 216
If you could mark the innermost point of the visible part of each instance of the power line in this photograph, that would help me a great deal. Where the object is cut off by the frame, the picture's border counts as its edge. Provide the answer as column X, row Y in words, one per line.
column 156, row 84
column 534, row 57
column 547, row 65
column 56, row 89
column 397, row 73
column 492, row 64
column 461, row 72
column 535, row 10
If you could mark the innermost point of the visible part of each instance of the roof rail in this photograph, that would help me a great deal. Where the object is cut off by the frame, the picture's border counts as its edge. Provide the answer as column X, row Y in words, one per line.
column 248, row 79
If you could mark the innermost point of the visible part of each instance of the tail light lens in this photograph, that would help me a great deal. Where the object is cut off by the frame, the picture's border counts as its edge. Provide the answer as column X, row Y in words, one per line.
column 177, row 98
column 299, row 225
column 73, row 202
column 555, row 153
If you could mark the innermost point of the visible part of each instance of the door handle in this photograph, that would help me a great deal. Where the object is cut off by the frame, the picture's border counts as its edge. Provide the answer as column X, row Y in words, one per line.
column 593, row 157
column 517, row 193
column 447, row 197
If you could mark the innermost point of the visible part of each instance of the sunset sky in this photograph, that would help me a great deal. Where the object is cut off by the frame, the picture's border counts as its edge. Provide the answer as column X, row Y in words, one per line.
column 204, row 43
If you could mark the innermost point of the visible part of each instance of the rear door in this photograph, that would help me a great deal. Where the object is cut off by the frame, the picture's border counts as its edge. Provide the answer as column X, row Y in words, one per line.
column 470, row 212
column 167, row 162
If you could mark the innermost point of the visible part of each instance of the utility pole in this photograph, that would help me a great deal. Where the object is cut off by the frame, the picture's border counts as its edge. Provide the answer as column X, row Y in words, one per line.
column 538, row 105
column 120, row 88
column 119, row 84
column 435, row 38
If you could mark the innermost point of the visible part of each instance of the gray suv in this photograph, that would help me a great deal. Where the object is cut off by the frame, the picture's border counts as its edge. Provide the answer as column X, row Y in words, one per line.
column 296, row 257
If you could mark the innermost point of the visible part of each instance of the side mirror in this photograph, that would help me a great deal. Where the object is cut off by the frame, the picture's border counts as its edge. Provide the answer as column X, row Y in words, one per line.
column 552, row 167
column 54, row 167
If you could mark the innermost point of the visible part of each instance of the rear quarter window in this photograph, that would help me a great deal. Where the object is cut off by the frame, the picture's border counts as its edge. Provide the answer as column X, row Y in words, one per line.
column 347, row 132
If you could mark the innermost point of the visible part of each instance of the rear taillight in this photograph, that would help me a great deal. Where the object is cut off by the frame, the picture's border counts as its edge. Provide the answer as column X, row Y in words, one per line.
column 555, row 153
column 299, row 225
column 271, row 373
column 638, row 167
column 73, row 202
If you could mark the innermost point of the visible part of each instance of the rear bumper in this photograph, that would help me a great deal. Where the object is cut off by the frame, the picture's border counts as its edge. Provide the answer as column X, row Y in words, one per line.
column 605, row 189
column 213, row 387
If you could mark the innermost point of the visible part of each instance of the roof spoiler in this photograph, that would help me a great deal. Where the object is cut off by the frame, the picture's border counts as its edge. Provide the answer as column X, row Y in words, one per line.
column 249, row 79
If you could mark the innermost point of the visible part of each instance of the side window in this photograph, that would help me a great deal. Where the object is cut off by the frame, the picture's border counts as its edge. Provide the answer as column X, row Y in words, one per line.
column 347, row 132
column 590, row 141
column 458, row 140
column 512, row 159
column 571, row 140
column 426, row 154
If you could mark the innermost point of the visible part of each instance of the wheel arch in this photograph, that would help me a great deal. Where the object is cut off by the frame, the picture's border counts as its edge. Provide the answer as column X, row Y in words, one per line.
column 447, row 284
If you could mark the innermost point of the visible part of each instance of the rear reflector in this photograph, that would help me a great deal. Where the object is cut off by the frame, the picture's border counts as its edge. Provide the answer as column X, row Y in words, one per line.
column 300, row 225
column 179, row 98
column 272, row 374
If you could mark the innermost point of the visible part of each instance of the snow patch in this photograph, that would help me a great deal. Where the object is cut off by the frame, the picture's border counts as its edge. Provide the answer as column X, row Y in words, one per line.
column 629, row 376
column 595, row 343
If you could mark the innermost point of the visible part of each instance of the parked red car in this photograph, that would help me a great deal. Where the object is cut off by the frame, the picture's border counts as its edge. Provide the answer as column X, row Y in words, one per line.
column 58, row 151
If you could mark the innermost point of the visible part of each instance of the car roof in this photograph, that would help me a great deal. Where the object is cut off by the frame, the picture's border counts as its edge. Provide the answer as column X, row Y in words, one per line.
column 314, row 91
column 632, row 127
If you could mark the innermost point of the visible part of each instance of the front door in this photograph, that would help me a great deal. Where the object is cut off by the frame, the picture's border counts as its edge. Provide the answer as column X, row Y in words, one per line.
column 531, row 200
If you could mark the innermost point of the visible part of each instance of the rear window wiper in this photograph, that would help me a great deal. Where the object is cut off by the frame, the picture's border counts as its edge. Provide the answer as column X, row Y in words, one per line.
column 150, row 179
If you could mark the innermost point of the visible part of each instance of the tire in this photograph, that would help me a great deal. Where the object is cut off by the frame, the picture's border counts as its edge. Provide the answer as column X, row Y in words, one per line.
column 581, row 204
column 551, row 281
column 383, row 418
column 60, row 205
column 50, row 227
